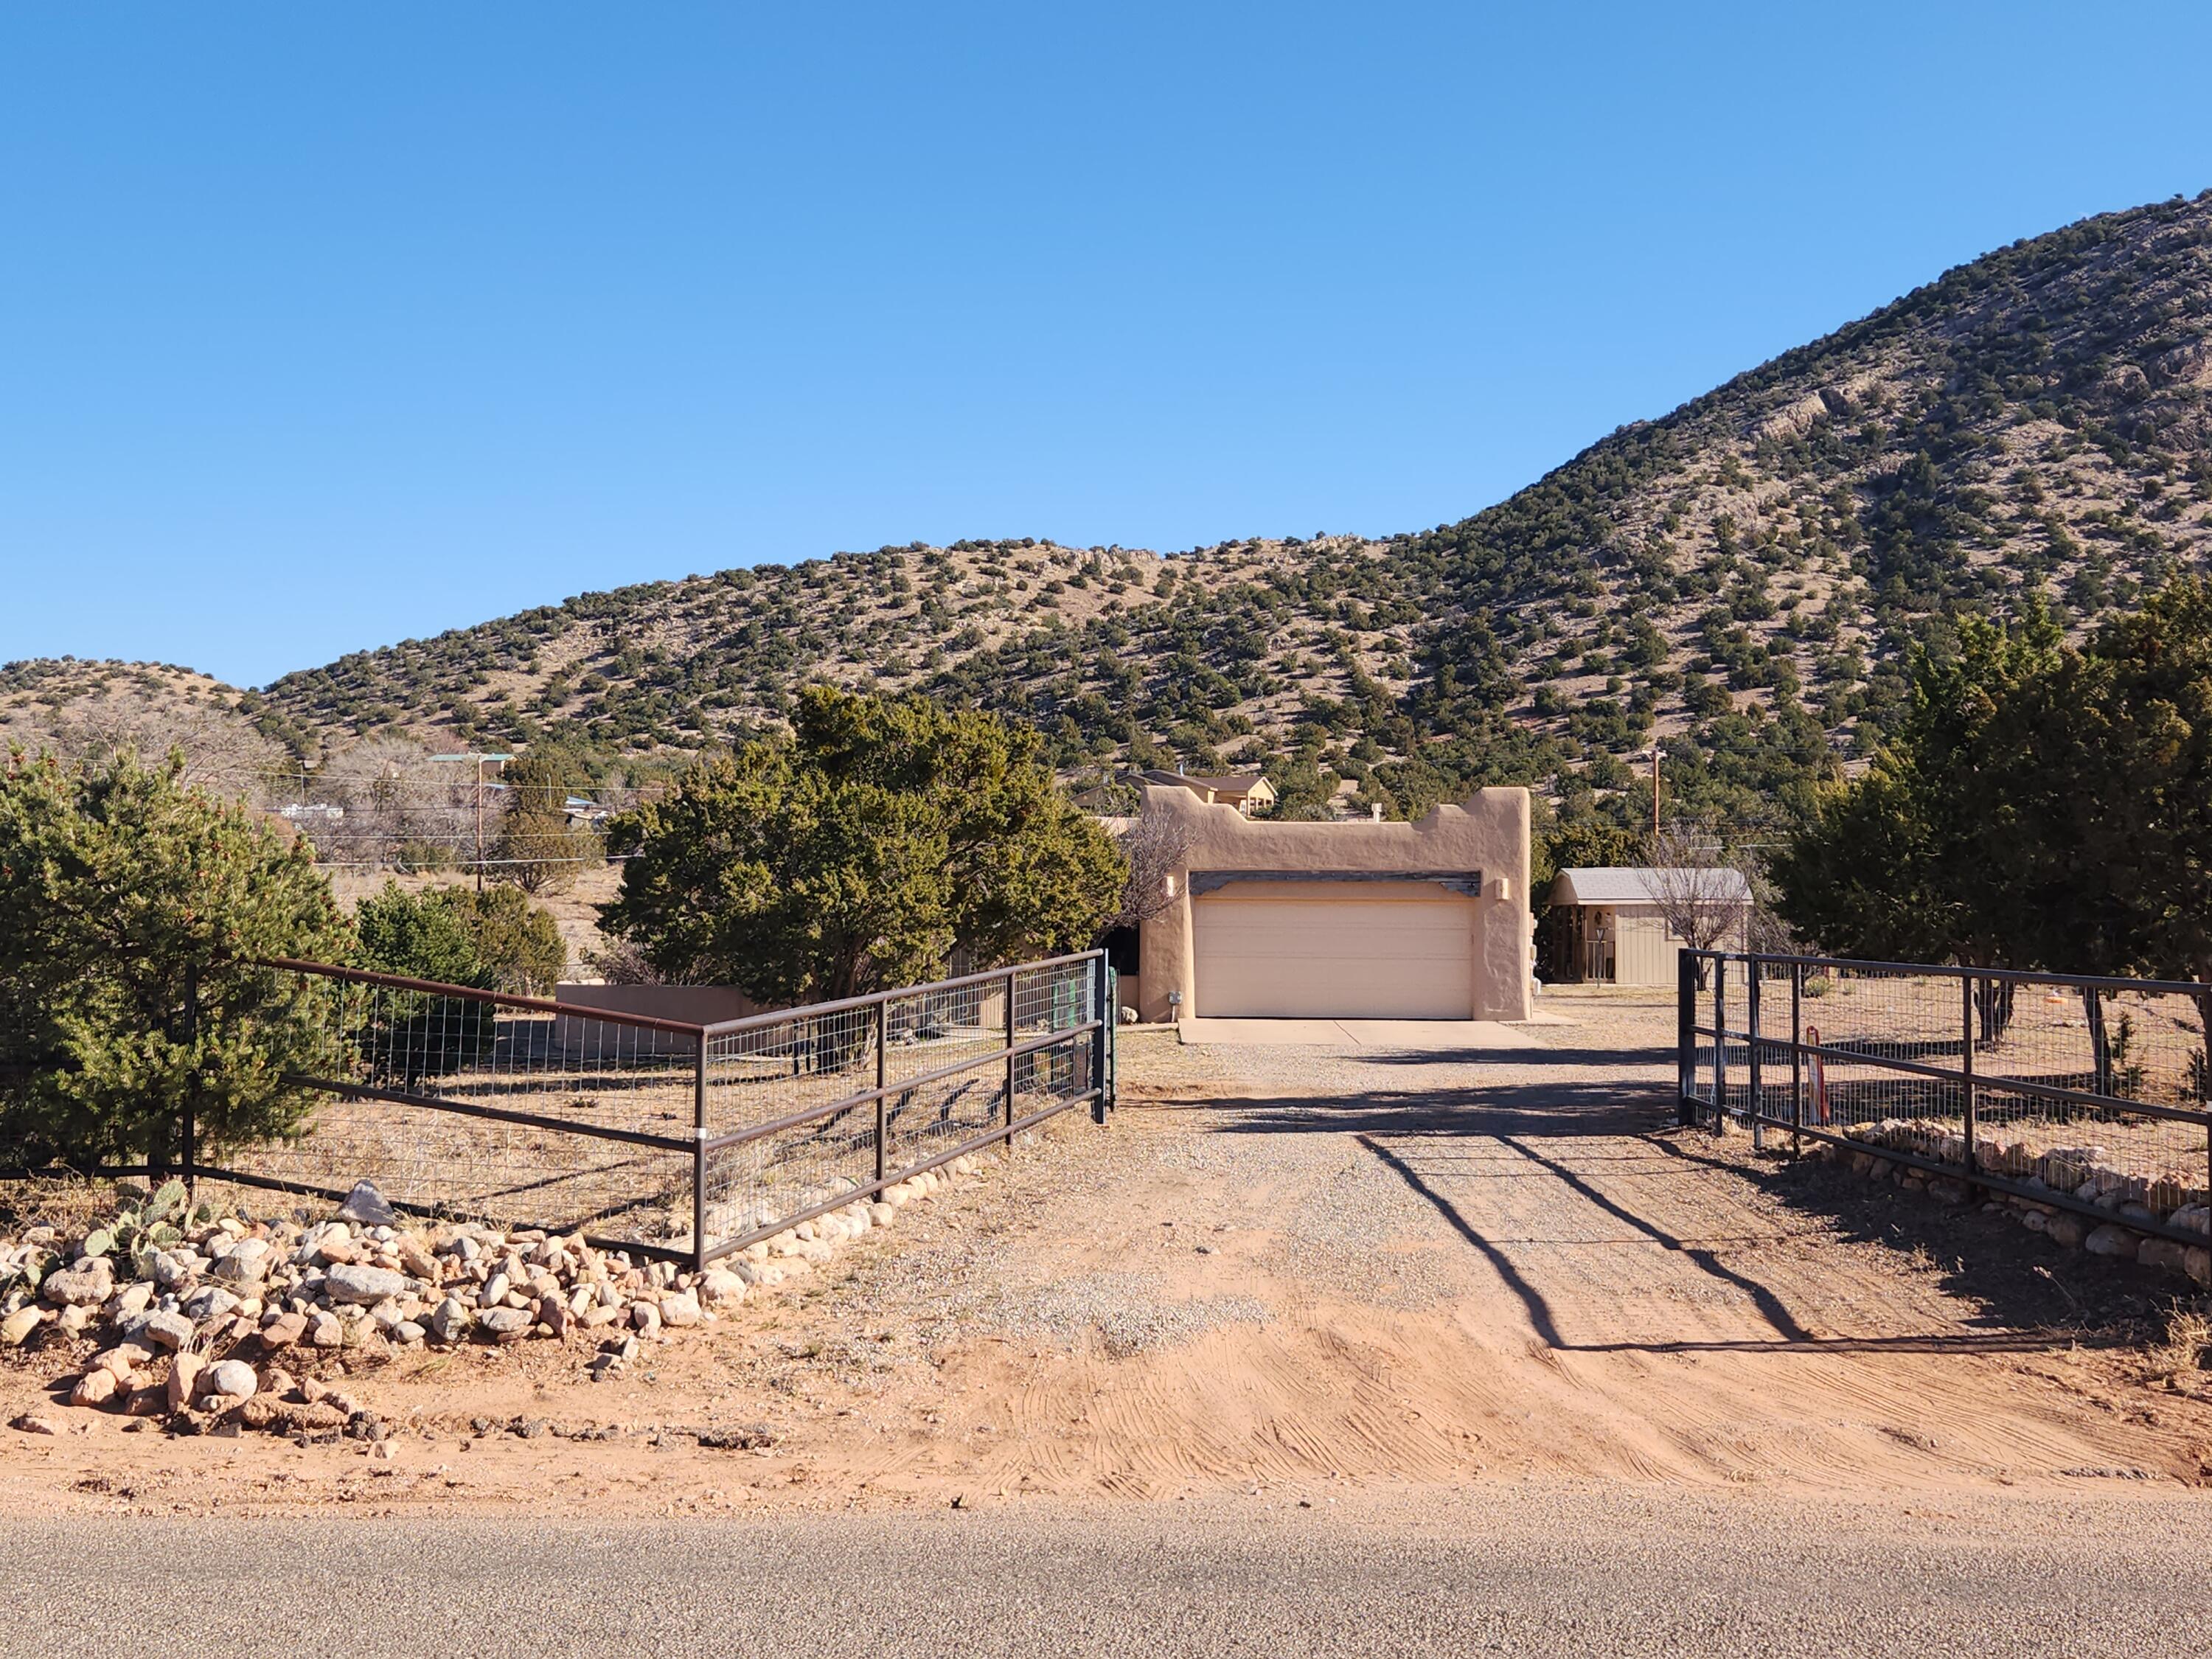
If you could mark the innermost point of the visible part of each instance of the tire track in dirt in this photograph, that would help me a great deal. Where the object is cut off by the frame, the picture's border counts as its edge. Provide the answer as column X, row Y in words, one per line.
column 1547, row 1290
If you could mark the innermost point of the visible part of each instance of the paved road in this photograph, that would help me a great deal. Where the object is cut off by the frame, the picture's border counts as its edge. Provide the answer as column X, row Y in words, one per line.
column 1602, row 1572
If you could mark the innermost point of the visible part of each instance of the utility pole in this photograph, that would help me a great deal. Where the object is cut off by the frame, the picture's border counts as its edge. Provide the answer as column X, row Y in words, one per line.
column 1656, row 751
column 479, row 760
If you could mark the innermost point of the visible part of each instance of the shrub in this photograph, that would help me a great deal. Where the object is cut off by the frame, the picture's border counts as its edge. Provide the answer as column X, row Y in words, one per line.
column 853, row 853
column 495, row 940
column 131, row 908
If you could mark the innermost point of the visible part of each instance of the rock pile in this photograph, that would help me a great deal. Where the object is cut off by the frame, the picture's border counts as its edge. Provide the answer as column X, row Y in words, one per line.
column 198, row 1324
column 2084, row 1174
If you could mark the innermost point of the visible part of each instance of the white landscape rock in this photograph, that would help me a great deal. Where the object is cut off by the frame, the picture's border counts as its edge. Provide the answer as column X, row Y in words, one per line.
column 245, row 1263
column 364, row 1286
column 163, row 1328
column 2111, row 1240
column 229, row 1295
column 680, row 1309
column 16, row 1329
column 91, row 1281
column 131, row 1301
column 232, row 1379
column 722, row 1285
column 210, row 1302
column 448, row 1321
column 367, row 1207
column 505, row 1325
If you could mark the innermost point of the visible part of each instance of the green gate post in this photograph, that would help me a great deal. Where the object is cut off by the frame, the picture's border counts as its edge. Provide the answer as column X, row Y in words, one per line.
column 1103, row 1039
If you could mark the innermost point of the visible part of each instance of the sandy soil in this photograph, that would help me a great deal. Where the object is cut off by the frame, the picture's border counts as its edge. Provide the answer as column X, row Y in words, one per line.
column 1316, row 1273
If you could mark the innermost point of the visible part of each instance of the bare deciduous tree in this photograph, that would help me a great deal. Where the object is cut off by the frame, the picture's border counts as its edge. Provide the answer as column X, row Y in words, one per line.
column 1157, row 846
column 223, row 751
column 620, row 961
column 396, row 800
column 1701, row 895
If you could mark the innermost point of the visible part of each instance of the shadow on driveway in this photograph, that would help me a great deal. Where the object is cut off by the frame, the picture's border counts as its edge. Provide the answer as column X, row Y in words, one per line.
column 1609, row 1146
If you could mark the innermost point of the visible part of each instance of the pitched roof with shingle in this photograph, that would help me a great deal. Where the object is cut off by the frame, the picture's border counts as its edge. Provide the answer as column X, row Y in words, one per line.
column 1625, row 884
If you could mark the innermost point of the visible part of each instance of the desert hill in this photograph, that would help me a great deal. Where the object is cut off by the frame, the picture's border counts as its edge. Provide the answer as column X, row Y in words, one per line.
column 1743, row 578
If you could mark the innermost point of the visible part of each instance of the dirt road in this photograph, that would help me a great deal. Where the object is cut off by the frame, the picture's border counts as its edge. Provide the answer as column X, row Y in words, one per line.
column 1307, row 1273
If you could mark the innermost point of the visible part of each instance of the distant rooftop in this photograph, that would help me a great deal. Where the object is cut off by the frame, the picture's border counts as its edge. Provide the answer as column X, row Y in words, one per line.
column 1225, row 783
column 1632, row 884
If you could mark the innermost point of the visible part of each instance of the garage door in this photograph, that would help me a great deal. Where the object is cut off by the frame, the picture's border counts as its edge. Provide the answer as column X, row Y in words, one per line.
column 1334, row 950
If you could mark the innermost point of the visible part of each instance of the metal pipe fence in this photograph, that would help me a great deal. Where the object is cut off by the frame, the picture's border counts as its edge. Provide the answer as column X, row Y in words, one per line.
column 2082, row 1093
column 672, row 1139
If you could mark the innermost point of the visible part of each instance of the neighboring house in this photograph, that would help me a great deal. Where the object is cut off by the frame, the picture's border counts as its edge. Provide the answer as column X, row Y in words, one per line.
column 1248, row 792
column 1607, row 928
column 1339, row 920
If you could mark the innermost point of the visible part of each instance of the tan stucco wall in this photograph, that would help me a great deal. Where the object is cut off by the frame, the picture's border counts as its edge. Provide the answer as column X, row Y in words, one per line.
column 1489, row 833
column 699, row 1004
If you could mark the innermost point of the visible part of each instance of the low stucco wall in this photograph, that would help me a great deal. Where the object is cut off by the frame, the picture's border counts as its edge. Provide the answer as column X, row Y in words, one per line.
column 1489, row 835
column 695, row 1005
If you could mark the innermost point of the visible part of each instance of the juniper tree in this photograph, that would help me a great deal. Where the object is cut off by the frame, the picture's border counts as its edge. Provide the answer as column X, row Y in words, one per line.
column 856, row 851
column 132, row 907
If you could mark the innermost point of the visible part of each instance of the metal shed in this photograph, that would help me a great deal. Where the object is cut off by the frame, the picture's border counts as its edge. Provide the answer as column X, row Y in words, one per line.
column 1607, row 928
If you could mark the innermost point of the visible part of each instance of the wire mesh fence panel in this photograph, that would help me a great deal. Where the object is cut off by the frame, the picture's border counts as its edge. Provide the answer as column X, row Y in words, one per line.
column 807, row 1109
column 508, row 1174
column 456, row 1102
column 2091, row 1092
column 1863, row 1020
column 635, row 1130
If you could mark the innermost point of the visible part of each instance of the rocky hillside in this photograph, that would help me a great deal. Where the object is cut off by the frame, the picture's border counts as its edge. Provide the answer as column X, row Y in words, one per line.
column 1743, row 578
column 80, row 708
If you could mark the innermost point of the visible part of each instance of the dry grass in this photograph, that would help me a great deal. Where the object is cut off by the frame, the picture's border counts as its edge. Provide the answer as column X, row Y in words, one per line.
column 72, row 1204
column 2180, row 1357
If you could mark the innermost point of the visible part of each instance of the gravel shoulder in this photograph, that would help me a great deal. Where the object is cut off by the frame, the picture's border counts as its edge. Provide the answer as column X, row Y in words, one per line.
column 1282, row 1275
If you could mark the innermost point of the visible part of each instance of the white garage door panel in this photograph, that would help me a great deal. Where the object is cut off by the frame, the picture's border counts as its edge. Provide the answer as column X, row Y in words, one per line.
column 1338, row 950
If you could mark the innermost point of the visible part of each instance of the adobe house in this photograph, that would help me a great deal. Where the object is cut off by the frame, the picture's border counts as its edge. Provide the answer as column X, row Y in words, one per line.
column 1609, row 929
column 1352, row 920
column 1248, row 792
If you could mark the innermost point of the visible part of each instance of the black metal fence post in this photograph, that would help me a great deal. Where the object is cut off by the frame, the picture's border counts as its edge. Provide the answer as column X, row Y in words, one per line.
column 1751, row 968
column 1966, row 1072
column 882, row 1113
column 1797, row 1059
column 1010, row 1058
column 1686, row 1037
column 188, row 1128
column 1101, row 1006
column 699, row 1159
column 1720, row 1042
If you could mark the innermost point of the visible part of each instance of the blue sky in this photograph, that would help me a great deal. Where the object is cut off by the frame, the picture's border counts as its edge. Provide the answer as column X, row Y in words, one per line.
column 323, row 327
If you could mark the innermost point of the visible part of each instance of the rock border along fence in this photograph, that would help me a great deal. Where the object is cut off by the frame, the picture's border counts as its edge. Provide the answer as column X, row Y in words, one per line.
column 202, row 1319
column 661, row 1138
column 2078, row 1102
